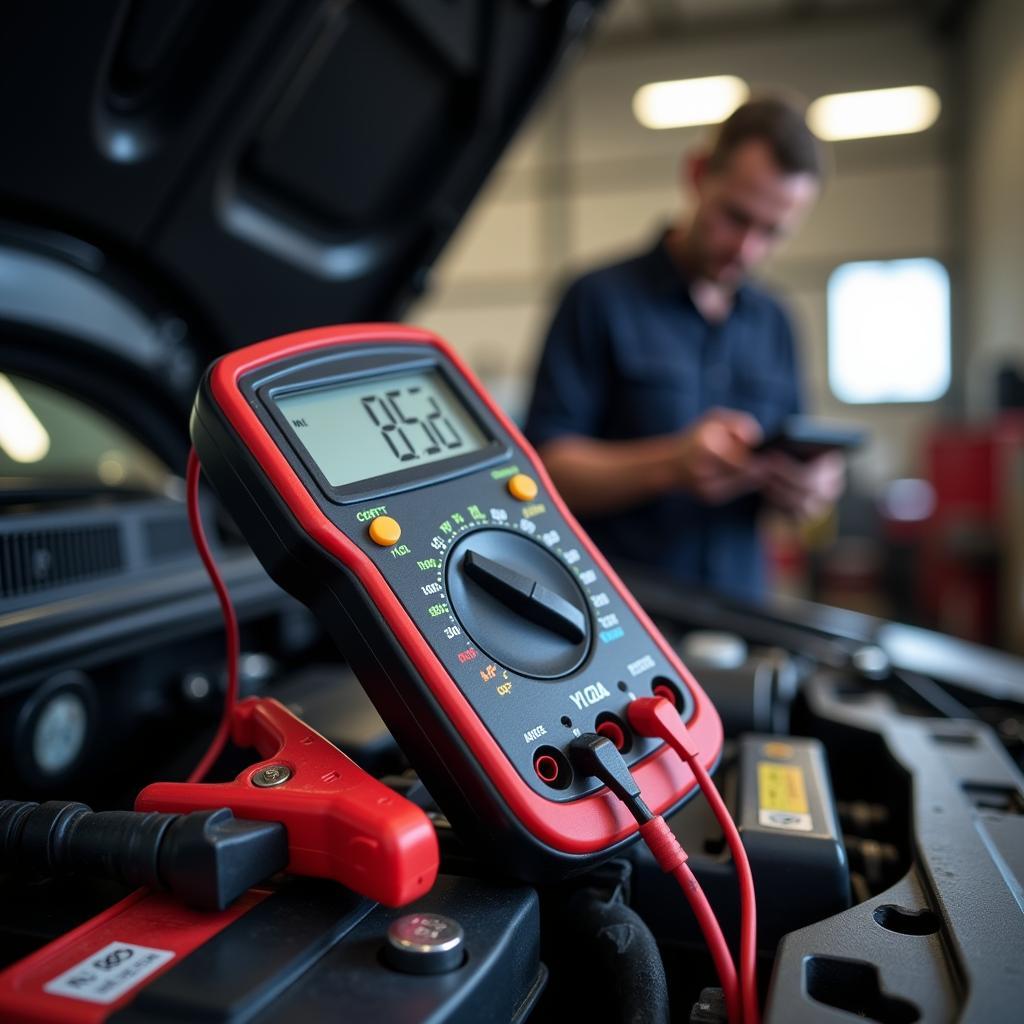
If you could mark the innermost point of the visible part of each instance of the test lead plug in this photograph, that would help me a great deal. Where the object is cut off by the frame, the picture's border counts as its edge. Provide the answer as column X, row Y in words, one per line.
column 595, row 756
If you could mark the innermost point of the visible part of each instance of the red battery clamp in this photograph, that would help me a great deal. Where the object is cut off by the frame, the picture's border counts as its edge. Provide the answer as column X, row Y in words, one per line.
column 342, row 823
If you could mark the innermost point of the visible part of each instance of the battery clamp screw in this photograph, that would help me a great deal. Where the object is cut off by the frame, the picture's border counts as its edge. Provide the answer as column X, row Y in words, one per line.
column 271, row 775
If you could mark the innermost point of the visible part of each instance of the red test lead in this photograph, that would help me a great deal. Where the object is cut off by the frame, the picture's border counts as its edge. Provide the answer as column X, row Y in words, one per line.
column 655, row 716
column 195, row 522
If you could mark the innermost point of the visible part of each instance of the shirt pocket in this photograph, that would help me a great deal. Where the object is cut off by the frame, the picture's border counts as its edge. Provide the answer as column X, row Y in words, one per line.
column 656, row 396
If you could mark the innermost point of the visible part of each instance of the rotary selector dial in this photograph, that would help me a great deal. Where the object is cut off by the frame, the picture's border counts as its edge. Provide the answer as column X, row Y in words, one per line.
column 519, row 603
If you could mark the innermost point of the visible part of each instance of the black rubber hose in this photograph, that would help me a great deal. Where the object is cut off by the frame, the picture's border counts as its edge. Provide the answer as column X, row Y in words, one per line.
column 58, row 838
column 205, row 858
column 625, row 956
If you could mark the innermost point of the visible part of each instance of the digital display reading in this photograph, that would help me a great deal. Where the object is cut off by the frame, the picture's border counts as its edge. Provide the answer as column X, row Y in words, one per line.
column 358, row 431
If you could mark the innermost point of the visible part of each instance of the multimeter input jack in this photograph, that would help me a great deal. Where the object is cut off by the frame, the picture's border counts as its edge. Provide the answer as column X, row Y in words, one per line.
column 615, row 729
column 663, row 687
column 552, row 767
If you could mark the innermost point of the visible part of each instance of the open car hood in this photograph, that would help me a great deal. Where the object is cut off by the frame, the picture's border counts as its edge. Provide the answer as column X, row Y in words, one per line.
column 254, row 168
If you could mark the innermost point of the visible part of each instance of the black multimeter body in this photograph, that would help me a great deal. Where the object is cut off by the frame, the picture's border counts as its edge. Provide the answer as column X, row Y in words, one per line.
column 379, row 484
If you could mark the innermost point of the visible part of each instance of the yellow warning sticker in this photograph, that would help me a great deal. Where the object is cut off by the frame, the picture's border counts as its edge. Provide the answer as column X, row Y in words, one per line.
column 782, row 797
column 781, row 787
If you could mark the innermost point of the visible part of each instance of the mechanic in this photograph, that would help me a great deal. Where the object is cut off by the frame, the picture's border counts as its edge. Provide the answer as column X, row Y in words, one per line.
column 661, row 374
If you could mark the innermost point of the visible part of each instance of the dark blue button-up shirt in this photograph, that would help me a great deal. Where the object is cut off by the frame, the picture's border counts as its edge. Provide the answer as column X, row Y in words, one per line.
column 628, row 356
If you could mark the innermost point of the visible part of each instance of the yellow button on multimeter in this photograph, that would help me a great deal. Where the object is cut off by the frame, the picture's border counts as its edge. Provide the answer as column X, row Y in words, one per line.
column 522, row 487
column 385, row 531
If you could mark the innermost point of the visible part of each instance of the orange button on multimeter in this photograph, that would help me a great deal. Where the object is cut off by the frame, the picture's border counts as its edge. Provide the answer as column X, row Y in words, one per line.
column 385, row 531
column 494, row 632
column 522, row 487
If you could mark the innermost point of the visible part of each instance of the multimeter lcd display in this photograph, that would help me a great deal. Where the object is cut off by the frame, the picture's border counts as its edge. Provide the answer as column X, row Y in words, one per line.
column 369, row 428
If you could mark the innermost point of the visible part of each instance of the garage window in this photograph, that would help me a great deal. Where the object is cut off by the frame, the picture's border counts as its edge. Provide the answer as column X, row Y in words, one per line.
column 888, row 331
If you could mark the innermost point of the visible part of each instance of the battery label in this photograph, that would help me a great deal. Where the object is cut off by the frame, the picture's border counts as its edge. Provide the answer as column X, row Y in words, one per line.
column 110, row 972
column 782, row 797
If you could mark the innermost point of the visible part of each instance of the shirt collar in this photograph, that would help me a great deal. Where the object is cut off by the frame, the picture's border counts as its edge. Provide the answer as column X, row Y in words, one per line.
column 666, row 276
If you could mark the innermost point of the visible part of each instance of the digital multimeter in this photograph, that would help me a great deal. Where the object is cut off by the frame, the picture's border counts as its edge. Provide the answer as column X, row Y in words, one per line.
column 379, row 484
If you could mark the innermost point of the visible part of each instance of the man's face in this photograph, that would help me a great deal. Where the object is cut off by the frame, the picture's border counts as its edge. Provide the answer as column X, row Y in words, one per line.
column 744, row 210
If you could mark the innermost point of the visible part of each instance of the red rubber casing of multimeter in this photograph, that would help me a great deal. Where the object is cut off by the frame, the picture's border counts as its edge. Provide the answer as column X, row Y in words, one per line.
column 491, row 631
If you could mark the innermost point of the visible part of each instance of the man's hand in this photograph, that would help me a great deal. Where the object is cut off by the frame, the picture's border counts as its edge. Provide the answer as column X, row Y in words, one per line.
column 806, row 490
column 716, row 463
column 713, row 459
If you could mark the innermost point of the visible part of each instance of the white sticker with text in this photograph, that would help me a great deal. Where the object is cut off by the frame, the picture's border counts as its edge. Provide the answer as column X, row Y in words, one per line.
column 110, row 972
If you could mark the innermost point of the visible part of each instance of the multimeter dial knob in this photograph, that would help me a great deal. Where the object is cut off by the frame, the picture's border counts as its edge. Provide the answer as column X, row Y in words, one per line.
column 519, row 603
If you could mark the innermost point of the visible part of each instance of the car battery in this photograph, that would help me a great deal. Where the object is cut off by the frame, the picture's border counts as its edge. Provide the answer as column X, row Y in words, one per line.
column 302, row 950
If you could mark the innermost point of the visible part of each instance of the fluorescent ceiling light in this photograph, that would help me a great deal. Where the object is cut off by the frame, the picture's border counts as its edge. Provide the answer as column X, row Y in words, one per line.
column 688, row 101
column 22, row 437
column 862, row 115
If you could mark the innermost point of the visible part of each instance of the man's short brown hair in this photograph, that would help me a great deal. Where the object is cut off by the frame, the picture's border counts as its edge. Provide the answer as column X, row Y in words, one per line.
column 778, row 124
